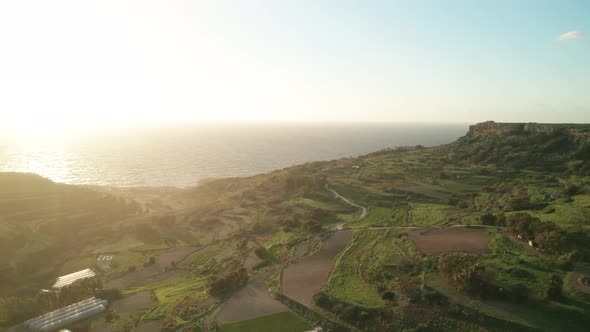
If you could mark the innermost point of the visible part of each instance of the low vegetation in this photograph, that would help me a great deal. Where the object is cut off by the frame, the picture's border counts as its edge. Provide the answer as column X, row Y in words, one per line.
column 488, row 233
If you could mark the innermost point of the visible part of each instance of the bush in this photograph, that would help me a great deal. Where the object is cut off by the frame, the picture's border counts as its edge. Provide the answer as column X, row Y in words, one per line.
column 487, row 218
column 111, row 294
column 566, row 261
column 388, row 296
column 322, row 300
column 261, row 253
column 312, row 226
column 463, row 271
column 151, row 261
column 228, row 282
column 552, row 290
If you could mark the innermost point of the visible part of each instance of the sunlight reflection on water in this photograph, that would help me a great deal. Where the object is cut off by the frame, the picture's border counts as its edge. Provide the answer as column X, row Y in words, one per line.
column 182, row 156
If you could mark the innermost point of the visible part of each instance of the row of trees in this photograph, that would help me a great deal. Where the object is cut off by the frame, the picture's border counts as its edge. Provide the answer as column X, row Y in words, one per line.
column 549, row 237
column 465, row 273
column 228, row 282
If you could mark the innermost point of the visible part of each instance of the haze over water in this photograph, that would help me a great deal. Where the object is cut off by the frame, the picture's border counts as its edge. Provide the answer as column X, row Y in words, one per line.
column 182, row 156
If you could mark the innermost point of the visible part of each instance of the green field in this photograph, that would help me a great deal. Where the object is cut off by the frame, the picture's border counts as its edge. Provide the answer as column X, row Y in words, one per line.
column 527, row 184
column 568, row 214
column 346, row 281
column 285, row 321
column 171, row 292
column 513, row 265
column 369, row 253
column 428, row 214
column 375, row 215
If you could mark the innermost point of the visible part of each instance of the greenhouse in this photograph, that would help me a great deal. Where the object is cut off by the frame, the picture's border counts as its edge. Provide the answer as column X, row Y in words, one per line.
column 66, row 316
column 72, row 277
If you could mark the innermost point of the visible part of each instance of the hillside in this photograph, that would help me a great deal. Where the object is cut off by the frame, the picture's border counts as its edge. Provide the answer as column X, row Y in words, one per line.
column 556, row 147
column 42, row 223
column 490, row 233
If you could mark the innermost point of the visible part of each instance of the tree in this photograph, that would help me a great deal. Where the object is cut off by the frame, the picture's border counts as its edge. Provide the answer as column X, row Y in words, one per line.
column 228, row 282
column 261, row 252
column 410, row 287
column 551, row 240
column 552, row 290
column 462, row 270
column 487, row 218
column 520, row 201
column 567, row 261
column 520, row 223
column 312, row 226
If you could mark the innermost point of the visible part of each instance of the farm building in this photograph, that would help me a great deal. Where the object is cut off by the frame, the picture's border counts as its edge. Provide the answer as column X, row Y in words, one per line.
column 72, row 277
column 66, row 316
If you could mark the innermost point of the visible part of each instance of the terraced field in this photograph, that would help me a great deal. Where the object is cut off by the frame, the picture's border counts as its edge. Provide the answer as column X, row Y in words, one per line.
column 428, row 214
column 284, row 322
column 454, row 239
column 350, row 280
column 250, row 302
column 301, row 280
column 346, row 281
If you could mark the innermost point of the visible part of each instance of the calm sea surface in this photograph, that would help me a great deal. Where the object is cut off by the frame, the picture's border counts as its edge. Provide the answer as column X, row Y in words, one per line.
column 181, row 156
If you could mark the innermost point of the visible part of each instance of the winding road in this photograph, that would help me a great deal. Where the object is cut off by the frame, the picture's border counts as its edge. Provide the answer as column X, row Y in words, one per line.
column 340, row 226
column 347, row 201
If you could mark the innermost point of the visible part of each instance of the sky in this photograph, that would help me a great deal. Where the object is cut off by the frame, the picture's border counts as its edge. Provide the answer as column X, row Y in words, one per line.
column 130, row 62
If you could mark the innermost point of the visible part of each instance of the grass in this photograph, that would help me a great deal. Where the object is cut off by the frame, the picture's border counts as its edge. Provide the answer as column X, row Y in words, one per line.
column 284, row 321
column 375, row 215
column 78, row 264
column 171, row 292
column 512, row 265
column 391, row 248
column 369, row 252
column 129, row 245
column 200, row 257
column 346, row 281
column 565, row 315
column 428, row 214
column 355, row 193
column 576, row 213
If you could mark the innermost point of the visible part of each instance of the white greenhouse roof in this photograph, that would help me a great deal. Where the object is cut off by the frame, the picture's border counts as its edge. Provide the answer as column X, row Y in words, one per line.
column 70, row 278
column 66, row 316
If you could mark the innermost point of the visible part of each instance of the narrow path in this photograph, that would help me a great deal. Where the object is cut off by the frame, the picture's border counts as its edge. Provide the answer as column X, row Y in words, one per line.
column 347, row 201
column 339, row 227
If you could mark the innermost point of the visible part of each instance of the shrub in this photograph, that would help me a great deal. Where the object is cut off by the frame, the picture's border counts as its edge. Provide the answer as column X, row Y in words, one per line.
column 261, row 253
column 312, row 226
column 463, row 271
column 228, row 282
column 552, row 290
column 111, row 294
column 487, row 218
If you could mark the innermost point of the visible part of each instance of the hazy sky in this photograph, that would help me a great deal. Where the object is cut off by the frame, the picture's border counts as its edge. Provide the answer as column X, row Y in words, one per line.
column 69, row 63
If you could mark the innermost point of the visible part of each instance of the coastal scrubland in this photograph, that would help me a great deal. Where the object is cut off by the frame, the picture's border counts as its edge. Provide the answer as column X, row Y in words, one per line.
column 490, row 233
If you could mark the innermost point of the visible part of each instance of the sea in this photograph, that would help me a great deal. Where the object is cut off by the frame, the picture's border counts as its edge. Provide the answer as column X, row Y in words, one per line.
column 182, row 156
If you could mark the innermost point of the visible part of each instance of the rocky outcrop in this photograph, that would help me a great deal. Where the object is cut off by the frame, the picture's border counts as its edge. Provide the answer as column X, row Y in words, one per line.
column 491, row 127
column 578, row 133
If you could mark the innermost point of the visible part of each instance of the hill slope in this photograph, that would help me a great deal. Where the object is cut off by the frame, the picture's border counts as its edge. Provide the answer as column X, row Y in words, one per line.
column 444, row 244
